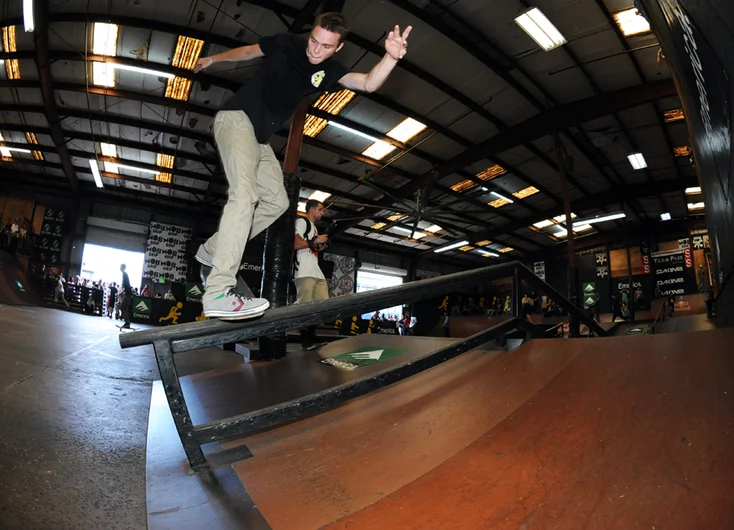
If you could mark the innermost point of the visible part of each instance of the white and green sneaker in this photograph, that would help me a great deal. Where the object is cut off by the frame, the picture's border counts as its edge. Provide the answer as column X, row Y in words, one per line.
column 232, row 305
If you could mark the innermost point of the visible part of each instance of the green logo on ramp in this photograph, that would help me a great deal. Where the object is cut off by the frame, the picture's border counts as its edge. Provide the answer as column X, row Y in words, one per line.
column 362, row 357
column 589, row 287
column 635, row 331
column 589, row 301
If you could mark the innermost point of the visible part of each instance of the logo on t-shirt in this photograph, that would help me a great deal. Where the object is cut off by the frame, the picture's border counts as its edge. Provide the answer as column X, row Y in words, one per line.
column 317, row 78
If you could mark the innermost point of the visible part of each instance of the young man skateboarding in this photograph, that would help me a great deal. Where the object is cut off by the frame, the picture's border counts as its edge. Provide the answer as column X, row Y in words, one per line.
column 310, row 282
column 126, row 297
column 293, row 69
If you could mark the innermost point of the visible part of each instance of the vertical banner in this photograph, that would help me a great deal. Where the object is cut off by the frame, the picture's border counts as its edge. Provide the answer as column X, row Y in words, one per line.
column 49, row 241
column 344, row 278
column 674, row 272
column 539, row 269
column 165, row 256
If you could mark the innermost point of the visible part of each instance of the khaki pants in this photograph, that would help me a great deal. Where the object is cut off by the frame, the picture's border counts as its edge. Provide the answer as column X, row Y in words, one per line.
column 311, row 290
column 256, row 196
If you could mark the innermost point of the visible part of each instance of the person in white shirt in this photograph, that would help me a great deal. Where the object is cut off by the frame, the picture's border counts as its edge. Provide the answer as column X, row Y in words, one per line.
column 411, row 326
column 310, row 282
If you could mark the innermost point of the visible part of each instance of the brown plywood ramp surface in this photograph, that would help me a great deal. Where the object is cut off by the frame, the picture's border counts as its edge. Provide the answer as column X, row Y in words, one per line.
column 635, row 433
column 319, row 470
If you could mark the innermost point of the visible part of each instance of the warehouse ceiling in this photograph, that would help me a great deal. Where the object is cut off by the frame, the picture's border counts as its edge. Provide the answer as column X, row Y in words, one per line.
column 463, row 147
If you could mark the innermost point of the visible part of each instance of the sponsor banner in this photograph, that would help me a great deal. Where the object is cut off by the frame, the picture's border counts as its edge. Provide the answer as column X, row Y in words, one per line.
column 194, row 292
column 165, row 256
column 358, row 326
column 673, row 276
column 344, row 276
column 161, row 312
column 51, row 237
column 539, row 269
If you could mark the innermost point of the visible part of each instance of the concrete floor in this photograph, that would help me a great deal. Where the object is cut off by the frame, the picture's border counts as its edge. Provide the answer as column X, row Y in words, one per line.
column 74, row 415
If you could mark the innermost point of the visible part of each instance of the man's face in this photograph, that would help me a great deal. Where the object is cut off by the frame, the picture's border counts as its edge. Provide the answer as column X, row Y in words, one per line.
column 318, row 212
column 322, row 44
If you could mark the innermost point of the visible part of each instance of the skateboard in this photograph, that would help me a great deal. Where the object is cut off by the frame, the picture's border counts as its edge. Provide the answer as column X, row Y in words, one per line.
column 122, row 329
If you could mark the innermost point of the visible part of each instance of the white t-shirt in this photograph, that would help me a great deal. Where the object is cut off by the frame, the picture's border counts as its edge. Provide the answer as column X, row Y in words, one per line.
column 413, row 321
column 307, row 261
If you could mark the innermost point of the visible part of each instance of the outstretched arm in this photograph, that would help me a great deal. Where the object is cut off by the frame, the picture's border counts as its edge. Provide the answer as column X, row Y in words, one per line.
column 396, row 46
column 243, row 53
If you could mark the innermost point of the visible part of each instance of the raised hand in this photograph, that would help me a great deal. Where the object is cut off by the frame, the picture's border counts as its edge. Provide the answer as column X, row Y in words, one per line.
column 204, row 62
column 396, row 45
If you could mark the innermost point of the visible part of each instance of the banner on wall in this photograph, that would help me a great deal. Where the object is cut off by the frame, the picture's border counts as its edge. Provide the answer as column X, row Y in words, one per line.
column 165, row 255
column 51, row 237
column 539, row 269
column 343, row 279
column 673, row 272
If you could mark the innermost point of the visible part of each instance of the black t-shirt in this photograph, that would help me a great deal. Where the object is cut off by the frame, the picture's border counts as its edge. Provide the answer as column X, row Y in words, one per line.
column 286, row 77
column 126, row 288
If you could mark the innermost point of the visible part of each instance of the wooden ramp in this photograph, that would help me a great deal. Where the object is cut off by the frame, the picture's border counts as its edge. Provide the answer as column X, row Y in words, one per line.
column 605, row 433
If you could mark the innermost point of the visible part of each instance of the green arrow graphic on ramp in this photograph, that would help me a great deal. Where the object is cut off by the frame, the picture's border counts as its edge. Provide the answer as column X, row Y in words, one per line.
column 362, row 357
column 589, row 287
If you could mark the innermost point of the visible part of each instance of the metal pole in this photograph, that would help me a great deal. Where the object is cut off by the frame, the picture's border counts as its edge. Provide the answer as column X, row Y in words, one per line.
column 516, row 293
column 278, row 253
column 572, row 275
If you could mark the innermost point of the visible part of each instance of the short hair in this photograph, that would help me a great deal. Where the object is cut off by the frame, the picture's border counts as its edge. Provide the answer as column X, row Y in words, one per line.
column 312, row 203
column 123, row 266
column 333, row 22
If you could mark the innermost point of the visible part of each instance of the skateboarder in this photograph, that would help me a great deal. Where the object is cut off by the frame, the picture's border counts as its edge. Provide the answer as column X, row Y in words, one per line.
column 126, row 297
column 293, row 68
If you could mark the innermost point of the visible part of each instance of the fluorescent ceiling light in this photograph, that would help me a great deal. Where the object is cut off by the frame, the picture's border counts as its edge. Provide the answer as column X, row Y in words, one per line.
column 665, row 216
column 501, row 196
column 540, row 29
column 95, row 173
column 104, row 39
column 693, row 191
column 582, row 228
column 146, row 71
column 543, row 224
column 562, row 218
column 486, row 254
column 484, row 189
column 406, row 130
column 142, row 170
column 637, row 161
column 379, row 150
column 695, row 206
column 601, row 219
column 28, row 16
column 631, row 22
column 451, row 246
column 302, row 206
column 320, row 196
column 433, row 229
column 407, row 231
column 353, row 131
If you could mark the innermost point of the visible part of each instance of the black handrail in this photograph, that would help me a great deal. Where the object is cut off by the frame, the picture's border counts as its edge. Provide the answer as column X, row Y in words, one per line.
column 657, row 317
column 172, row 339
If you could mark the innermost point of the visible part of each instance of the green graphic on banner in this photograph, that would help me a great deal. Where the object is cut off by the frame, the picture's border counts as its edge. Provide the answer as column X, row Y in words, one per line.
column 362, row 357
column 194, row 291
column 589, row 288
column 141, row 307
column 589, row 301
column 635, row 331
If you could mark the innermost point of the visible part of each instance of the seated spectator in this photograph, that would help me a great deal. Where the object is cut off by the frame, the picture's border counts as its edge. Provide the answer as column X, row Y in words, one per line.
column 170, row 296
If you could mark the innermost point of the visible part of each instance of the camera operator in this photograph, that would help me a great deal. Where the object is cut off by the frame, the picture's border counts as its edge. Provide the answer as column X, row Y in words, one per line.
column 310, row 282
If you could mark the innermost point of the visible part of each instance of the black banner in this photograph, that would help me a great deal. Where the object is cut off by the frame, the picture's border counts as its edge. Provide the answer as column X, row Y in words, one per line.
column 161, row 312
column 673, row 274
column 51, row 237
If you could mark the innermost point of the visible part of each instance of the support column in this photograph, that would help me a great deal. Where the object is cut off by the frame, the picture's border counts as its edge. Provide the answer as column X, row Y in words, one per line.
column 278, row 254
column 516, row 294
column 572, row 273
column 630, row 304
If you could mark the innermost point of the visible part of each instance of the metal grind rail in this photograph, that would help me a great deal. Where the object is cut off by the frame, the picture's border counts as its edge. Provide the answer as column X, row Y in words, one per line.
column 170, row 340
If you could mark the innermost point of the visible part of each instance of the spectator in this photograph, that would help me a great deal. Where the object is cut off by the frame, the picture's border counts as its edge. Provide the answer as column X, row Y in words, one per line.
column 170, row 296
